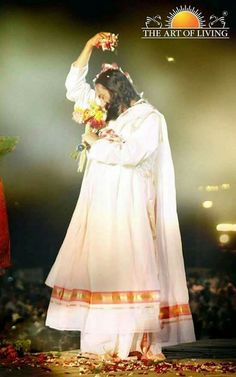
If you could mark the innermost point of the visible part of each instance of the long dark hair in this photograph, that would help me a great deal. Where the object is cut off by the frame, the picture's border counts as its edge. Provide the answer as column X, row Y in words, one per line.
column 121, row 90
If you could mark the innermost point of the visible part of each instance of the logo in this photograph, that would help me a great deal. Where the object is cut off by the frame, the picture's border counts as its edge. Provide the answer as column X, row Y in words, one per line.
column 186, row 23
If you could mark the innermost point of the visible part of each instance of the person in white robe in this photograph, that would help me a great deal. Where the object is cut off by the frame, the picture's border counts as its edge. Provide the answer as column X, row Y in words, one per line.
column 119, row 276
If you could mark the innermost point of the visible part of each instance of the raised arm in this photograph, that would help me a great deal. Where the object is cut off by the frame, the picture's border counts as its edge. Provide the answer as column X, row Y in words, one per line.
column 77, row 88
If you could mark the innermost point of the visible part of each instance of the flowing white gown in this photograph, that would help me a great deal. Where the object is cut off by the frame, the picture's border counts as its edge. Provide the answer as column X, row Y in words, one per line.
column 116, row 276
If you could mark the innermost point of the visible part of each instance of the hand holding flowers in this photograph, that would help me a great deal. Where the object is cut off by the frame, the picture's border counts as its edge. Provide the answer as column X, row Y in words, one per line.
column 89, row 137
column 94, row 118
column 109, row 42
column 105, row 40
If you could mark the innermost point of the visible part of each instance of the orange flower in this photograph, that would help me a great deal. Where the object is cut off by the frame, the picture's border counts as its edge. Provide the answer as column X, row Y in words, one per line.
column 95, row 115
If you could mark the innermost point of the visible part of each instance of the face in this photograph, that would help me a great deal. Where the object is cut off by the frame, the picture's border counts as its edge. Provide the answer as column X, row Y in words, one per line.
column 107, row 102
column 103, row 95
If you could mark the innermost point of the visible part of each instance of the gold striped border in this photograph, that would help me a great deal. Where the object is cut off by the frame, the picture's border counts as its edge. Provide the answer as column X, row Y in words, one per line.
column 169, row 321
column 174, row 311
column 120, row 297
column 112, row 297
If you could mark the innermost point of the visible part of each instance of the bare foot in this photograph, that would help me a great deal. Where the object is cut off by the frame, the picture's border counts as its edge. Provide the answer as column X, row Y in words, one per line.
column 151, row 356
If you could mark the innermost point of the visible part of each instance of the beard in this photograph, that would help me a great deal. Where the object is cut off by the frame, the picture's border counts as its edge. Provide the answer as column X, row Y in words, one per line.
column 113, row 110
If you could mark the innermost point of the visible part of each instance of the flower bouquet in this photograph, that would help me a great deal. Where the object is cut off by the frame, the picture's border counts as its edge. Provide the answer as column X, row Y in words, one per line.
column 94, row 119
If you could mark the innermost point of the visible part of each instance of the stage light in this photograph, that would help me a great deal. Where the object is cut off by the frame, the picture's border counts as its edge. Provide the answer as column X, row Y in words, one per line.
column 226, row 227
column 170, row 59
column 224, row 238
column 209, row 188
column 207, row 204
column 225, row 186
column 212, row 188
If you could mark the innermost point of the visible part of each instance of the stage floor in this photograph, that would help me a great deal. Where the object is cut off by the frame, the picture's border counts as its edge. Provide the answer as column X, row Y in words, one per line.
column 202, row 358
column 204, row 348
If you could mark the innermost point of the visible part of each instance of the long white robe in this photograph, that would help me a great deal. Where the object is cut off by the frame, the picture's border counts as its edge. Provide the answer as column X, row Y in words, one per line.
column 120, row 272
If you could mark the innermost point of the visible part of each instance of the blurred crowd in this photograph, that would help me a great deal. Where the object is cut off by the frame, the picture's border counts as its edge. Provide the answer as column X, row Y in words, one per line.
column 213, row 305
column 23, row 307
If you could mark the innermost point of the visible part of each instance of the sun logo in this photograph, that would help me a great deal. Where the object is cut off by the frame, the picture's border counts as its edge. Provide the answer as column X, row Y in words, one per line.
column 185, row 18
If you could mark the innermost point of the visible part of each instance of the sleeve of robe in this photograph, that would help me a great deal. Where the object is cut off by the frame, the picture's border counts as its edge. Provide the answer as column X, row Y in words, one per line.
column 78, row 90
column 135, row 149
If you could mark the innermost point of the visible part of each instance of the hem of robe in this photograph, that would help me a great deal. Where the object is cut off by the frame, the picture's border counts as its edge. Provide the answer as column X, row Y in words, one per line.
column 122, row 344
column 171, row 323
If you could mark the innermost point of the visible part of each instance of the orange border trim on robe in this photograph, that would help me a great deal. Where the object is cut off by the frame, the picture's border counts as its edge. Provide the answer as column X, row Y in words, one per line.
column 121, row 297
column 174, row 311
column 113, row 297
